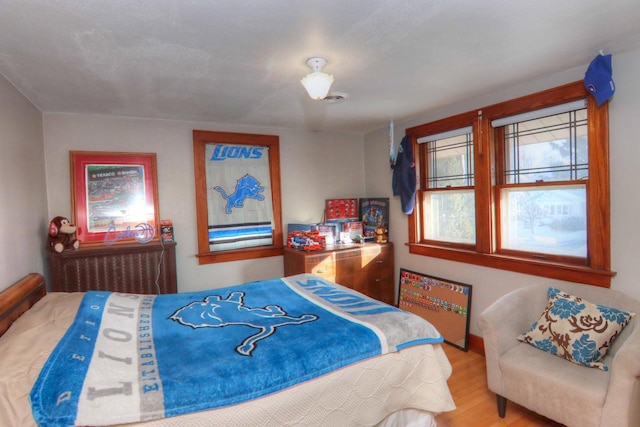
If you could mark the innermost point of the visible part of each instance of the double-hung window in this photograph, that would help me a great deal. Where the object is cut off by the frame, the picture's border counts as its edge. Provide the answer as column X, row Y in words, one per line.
column 522, row 185
column 449, row 199
column 541, row 177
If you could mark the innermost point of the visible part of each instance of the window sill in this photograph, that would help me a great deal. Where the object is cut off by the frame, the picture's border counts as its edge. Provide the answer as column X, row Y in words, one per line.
column 567, row 272
column 239, row 254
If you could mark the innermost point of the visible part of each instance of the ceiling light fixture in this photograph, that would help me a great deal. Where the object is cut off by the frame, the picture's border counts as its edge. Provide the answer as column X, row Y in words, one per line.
column 317, row 83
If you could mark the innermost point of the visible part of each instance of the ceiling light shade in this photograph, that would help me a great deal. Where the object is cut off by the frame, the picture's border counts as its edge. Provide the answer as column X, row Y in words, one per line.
column 317, row 83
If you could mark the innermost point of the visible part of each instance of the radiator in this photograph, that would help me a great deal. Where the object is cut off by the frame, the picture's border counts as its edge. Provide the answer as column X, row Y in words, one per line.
column 148, row 268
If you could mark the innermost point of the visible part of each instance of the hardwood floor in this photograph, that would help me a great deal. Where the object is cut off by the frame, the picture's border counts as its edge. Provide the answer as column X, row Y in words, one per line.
column 476, row 405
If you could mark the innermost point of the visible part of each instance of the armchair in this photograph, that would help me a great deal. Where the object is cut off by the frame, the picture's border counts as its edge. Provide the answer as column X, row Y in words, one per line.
column 558, row 389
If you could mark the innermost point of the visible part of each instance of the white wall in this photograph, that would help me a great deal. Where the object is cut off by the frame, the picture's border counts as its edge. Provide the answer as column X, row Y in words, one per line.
column 624, row 155
column 489, row 284
column 23, row 194
column 314, row 166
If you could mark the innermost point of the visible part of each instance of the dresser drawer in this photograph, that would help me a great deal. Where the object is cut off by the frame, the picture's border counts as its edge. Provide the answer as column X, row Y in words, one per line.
column 365, row 268
column 325, row 267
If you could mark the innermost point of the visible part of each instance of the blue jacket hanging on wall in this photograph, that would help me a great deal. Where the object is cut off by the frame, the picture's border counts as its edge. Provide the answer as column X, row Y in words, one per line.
column 404, row 176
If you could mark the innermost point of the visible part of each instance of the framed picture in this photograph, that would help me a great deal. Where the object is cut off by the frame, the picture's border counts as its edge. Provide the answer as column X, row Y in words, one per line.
column 444, row 303
column 374, row 213
column 114, row 197
column 341, row 209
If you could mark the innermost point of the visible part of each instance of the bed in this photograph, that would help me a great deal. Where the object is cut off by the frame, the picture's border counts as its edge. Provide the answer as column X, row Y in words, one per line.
column 403, row 382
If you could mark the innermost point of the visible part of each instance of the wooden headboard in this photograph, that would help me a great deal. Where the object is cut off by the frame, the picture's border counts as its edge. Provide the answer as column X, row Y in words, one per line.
column 19, row 298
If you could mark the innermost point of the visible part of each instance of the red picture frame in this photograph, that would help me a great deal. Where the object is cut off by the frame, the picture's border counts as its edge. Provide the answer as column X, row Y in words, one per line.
column 341, row 209
column 114, row 197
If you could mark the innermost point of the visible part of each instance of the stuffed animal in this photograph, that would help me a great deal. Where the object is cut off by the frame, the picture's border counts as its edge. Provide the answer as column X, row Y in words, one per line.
column 382, row 234
column 61, row 235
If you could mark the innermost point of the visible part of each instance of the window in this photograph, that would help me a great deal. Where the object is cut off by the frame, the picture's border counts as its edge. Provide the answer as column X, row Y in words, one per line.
column 522, row 186
column 449, row 196
column 237, row 196
column 542, row 182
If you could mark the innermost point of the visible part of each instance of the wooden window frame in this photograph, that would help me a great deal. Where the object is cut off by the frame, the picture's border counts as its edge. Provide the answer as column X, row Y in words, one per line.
column 443, row 125
column 597, row 269
column 200, row 139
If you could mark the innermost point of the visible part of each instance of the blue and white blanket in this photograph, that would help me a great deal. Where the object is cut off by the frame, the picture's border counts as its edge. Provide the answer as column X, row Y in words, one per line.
column 130, row 357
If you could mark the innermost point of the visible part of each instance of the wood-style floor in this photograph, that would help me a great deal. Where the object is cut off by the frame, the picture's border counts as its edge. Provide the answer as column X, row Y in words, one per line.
column 476, row 405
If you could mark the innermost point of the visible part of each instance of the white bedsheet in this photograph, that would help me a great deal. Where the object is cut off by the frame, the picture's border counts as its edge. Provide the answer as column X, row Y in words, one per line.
column 363, row 394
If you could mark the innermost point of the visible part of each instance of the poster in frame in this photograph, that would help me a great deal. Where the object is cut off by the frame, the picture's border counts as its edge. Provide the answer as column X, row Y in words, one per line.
column 444, row 303
column 114, row 197
column 374, row 213
column 341, row 209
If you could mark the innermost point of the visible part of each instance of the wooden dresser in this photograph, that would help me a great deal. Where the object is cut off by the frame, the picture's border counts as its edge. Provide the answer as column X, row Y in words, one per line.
column 129, row 268
column 367, row 268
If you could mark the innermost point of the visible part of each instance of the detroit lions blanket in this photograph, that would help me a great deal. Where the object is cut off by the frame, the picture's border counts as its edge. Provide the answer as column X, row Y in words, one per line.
column 129, row 357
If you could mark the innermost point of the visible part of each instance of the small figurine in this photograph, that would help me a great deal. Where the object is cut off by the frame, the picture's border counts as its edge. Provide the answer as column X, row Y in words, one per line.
column 382, row 234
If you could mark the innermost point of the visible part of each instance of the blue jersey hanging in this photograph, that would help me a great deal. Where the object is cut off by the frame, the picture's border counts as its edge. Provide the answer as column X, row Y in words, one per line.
column 404, row 176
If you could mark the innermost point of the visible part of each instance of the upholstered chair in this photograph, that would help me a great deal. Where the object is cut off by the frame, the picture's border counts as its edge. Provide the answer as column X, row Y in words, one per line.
column 558, row 389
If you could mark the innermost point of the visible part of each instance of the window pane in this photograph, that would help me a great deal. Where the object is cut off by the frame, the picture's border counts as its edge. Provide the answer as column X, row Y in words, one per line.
column 550, row 220
column 450, row 216
column 451, row 162
column 552, row 148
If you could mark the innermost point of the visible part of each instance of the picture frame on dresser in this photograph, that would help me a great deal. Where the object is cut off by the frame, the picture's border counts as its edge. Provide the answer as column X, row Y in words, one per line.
column 114, row 197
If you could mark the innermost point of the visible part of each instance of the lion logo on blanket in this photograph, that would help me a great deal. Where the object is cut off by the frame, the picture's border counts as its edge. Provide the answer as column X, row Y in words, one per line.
column 215, row 312
column 246, row 187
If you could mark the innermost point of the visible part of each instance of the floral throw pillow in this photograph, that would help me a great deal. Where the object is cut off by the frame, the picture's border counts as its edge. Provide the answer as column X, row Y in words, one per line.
column 576, row 330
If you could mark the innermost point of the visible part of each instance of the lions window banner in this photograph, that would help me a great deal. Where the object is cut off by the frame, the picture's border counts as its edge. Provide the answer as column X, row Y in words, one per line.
column 238, row 196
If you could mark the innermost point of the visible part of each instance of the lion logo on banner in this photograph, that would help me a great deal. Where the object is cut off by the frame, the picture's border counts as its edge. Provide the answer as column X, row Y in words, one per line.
column 216, row 312
column 246, row 187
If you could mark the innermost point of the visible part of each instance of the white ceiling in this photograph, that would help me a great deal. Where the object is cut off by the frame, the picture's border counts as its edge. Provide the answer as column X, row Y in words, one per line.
column 234, row 61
